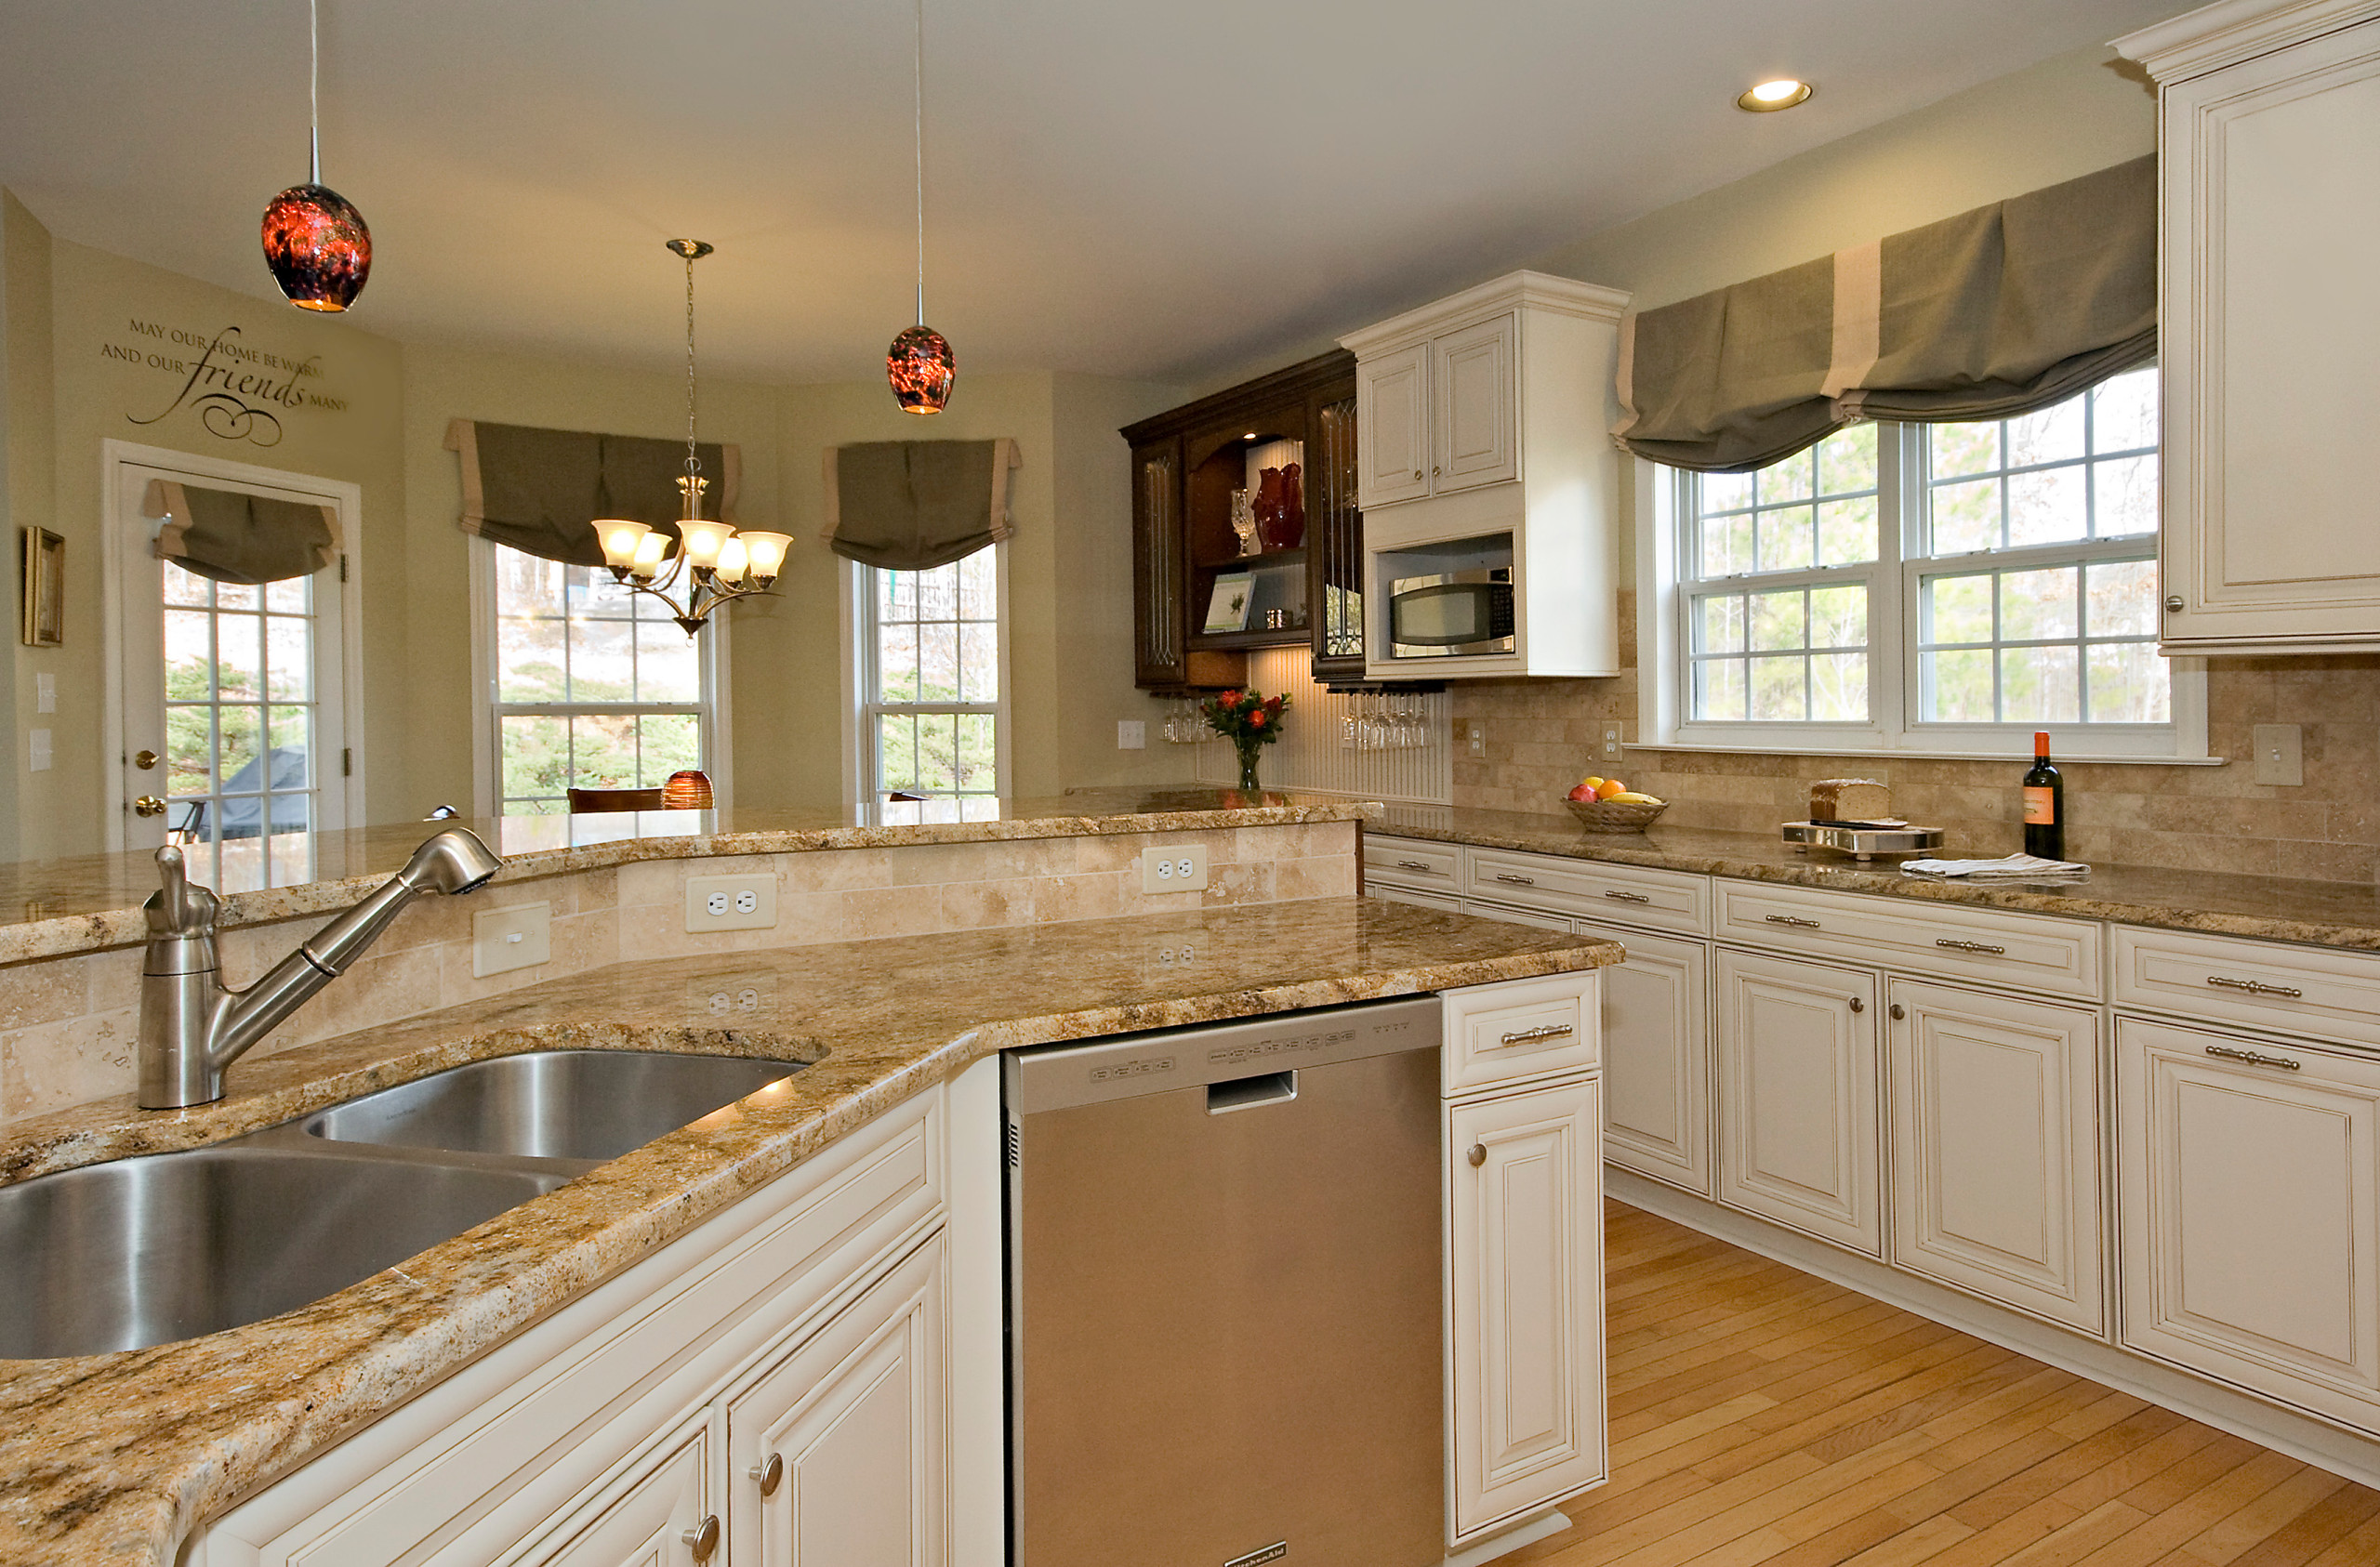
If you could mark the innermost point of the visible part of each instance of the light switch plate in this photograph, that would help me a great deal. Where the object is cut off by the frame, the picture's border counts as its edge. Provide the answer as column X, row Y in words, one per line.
column 1180, row 868
column 38, row 752
column 1131, row 734
column 2280, row 753
column 45, row 694
column 503, row 940
column 736, row 902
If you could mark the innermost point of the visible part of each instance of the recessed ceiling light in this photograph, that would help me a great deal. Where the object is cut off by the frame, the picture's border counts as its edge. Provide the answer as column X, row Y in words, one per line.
column 1249, row 435
column 1768, row 96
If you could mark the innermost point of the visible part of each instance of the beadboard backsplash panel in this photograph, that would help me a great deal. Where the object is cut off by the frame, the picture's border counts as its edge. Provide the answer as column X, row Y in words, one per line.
column 1309, row 755
column 1543, row 734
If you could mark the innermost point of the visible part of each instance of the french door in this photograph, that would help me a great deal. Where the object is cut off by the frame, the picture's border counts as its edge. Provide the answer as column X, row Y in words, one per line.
column 231, row 699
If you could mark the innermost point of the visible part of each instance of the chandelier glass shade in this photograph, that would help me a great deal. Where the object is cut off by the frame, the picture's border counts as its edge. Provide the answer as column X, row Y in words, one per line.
column 315, row 243
column 715, row 562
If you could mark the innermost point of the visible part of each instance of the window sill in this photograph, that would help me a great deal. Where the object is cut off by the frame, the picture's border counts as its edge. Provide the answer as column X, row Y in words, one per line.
column 1871, row 753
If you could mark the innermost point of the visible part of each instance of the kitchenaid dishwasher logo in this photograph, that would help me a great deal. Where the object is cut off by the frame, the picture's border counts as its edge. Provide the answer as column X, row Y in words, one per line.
column 235, row 391
column 1273, row 1552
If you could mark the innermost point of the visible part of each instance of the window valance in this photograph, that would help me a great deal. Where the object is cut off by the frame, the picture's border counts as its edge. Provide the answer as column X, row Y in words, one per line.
column 537, row 490
column 1996, row 311
column 231, row 537
column 911, row 505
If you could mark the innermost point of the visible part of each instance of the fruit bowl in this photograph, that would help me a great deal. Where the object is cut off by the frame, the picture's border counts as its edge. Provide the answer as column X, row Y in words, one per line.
column 1616, row 816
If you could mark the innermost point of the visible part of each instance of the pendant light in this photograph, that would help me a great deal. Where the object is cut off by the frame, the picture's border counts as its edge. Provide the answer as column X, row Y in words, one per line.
column 717, row 563
column 920, row 364
column 315, row 239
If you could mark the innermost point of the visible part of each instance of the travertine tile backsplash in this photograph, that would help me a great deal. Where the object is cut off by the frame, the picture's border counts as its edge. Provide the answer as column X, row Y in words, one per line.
column 1542, row 738
column 67, row 1024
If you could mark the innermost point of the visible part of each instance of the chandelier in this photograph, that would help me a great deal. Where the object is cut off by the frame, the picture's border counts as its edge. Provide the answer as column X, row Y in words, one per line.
column 714, row 562
column 920, row 364
column 315, row 243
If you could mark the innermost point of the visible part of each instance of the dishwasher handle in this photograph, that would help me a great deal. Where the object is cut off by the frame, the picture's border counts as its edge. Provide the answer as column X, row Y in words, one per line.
column 1249, row 1093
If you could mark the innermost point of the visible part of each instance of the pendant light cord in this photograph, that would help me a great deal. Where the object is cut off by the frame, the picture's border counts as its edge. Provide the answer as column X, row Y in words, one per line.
column 921, row 128
column 314, row 89
column 693, row 464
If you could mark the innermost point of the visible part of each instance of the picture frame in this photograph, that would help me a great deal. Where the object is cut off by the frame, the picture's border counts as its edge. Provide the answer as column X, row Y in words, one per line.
column 1233, row 600
column 42, row 583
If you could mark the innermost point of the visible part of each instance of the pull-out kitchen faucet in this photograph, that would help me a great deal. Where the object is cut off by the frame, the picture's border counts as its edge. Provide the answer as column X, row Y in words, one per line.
column 192, row 1028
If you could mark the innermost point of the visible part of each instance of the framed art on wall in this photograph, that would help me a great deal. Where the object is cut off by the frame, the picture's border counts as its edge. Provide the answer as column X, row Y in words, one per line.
column 44, row 582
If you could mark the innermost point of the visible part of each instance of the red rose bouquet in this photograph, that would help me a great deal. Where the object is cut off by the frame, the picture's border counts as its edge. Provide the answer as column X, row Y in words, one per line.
column 1250, row 722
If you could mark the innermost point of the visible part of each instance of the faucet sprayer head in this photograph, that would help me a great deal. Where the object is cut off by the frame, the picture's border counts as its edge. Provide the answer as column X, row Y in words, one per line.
column 452, row 861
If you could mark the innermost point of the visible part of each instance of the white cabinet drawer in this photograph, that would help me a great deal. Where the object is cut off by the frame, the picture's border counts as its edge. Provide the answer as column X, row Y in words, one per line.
column 1939, row 940
column 1628, row 894
column 2263, row 984
column 1411, row 862
column 1520, row 1031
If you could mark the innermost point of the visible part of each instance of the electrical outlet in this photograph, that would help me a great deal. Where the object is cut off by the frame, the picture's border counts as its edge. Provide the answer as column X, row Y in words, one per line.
column 1182, row 868
column 1475, row 738
column 733, row 997
column 737, row 903
column 1611, row 743
column 503, row 940
column 1131, row 734
column 2280, row 753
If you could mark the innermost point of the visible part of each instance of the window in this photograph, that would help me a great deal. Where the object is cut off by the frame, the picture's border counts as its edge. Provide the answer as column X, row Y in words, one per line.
column 931, row 707
column 1936, row 587
column 596, row 687
column 241, row 778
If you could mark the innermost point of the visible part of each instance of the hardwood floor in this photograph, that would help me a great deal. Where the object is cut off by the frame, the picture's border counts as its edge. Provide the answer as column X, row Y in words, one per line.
column 1762, row 1417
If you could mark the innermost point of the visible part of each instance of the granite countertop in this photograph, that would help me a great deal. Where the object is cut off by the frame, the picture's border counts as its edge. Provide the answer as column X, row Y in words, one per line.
column 110, row 1458
column 2273, row 908
column 52, row 907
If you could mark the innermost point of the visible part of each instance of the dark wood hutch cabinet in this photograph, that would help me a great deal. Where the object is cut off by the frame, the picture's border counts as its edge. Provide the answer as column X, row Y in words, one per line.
column 1186, row 461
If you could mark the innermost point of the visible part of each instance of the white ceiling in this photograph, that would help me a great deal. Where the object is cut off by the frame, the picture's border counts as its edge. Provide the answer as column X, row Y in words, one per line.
column 1143, row 188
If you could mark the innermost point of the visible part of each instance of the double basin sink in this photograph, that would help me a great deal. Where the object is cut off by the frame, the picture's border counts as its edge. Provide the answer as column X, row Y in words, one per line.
column 146, row 1250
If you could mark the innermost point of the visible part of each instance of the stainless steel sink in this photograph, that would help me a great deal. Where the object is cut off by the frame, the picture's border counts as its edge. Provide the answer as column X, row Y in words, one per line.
column 552, row 1104
column 142, row 1251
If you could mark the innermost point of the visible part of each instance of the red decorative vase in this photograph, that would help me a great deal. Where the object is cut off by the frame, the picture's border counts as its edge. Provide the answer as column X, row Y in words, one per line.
column 1280, row 508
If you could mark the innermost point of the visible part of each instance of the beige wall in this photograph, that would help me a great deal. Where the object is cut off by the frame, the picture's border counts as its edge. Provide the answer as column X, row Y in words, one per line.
column 27, row 466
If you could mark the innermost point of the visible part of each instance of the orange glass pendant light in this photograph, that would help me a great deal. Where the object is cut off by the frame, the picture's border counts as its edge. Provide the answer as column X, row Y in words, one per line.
column 315, row 243
column 920, row 364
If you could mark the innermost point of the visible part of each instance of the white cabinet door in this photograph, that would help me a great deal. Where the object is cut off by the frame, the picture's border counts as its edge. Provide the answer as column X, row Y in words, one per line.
column 657, row 1520
column 1525, row 1427
column 850, row 1428
column 2248, row 1184
column 1392, row 426
column 1995, row 1148
column 2271, row 330
column 1657, row 1059
column 1476, row 414
column 1798, row 1137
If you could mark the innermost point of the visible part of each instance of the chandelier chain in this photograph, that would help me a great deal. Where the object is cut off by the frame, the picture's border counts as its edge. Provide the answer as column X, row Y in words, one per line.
column 693, row 462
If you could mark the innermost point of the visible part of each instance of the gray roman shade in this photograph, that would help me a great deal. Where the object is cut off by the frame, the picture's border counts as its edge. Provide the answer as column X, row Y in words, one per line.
column 911, row 505
column 538, row 490
column 235, row 537
column 1997, row 311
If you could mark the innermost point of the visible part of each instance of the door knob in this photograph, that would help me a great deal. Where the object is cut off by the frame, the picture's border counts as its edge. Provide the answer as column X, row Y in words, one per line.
column 144, row 760
column 1478, row 1154
column 1899, row 1011
column 769, row 1474
column 148, row 805
column 703, row 1538
column 1857, row 1004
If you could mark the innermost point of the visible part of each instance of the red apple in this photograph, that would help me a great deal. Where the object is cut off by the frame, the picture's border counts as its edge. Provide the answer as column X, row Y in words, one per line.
column 1582, row 793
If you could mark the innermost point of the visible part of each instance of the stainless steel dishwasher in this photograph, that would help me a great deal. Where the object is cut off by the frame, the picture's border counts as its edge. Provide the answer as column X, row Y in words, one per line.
column 1224, row 1339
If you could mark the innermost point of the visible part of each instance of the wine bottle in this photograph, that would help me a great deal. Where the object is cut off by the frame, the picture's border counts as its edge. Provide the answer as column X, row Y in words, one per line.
column 2044, row 804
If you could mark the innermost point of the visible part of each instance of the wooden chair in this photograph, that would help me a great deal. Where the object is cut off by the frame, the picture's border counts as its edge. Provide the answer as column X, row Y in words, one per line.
column 588, row 801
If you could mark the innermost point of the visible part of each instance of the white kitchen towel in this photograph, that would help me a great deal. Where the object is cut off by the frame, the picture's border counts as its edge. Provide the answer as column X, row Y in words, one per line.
column 2015, row 867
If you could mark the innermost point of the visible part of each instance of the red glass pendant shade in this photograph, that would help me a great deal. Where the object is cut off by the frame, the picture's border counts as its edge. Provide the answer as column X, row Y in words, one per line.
column 318, row 247
column 921, row 367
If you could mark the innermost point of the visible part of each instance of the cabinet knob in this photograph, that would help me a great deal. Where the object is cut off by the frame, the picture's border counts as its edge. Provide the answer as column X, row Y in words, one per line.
column 703, row 1538
column 1478, row 1154
column 769, row 1474
column 1857, row 1004
column 1898, row 1011
column 2172, row 603
column 1433, row 470
column 1417, row 473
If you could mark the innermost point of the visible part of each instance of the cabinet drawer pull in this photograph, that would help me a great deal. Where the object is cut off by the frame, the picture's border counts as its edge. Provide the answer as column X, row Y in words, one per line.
column 769, row 1474
column 1788, row 919
column 1478, row 1154
column 2254, row 1059
column 2256, row 987
column 1628, row 897
column 1984, row 947
column 1516, row 881
column 1417, row 865
column 703, row 1538
column 1532, row 1036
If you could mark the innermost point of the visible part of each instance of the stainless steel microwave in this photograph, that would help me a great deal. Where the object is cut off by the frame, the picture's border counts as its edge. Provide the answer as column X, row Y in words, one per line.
column 1459, row 614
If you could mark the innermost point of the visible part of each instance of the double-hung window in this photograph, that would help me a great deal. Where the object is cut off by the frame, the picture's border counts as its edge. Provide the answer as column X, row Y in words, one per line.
column 931, row 709
column 595, row 686
column 1944, row 588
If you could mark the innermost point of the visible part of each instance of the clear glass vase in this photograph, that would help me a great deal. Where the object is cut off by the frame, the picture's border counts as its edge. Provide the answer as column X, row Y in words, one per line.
column 1249, row 749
